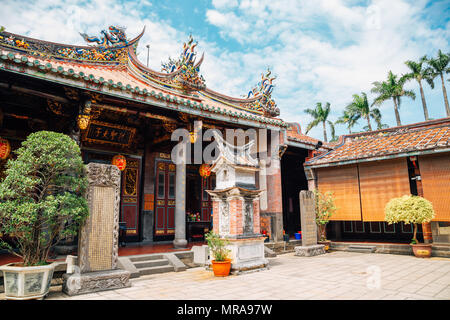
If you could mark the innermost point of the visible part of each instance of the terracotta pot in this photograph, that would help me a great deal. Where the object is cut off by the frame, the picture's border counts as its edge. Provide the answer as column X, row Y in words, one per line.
column 326, row 243
column 422, row 250
column 221, row 268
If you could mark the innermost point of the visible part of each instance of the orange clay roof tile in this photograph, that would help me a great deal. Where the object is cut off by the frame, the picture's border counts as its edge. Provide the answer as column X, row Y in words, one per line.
column 429, row 135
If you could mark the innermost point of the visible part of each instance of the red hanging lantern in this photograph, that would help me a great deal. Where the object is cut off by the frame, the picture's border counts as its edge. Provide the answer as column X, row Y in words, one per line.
column 5, row 149
column 205, row 172
column 119, row 161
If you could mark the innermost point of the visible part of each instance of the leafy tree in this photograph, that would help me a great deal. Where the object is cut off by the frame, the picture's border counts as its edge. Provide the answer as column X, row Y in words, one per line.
column 393, row 89
column 440, row 65
column 348, row 119
column 419, row 72
column 360, row 108
column 42, row 197
column 320, row 115
column 409, row 209
column 325, row 208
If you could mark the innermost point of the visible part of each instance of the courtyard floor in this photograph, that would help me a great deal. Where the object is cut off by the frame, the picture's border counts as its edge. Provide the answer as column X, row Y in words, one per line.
column 336, row 275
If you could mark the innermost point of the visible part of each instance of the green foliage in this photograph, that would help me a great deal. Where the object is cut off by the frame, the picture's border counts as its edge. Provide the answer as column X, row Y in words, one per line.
column 320, row 115
column 409, row 209
column 42, row 197
column 360, row 108
column 217, row 245
column 325, row 208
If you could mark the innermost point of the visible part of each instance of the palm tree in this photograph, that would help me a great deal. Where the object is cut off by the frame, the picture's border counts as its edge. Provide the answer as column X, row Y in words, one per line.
column 419, row 72
column 319, row 115
column 349, row 119
column 441, row 65
column 392, row 89
column 360, row 108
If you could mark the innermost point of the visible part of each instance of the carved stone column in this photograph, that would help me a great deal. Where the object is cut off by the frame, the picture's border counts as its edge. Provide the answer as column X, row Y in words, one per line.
column 309, row 245
column 99, row 236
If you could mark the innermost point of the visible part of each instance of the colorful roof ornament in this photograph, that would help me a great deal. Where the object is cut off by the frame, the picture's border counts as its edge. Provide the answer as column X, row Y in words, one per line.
column 116, row 36
column 112, row 47
column 185, row 70
column 263, row 92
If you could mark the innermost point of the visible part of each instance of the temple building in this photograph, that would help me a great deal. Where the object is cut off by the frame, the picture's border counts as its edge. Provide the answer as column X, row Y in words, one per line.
column 365, row 170
column 120, row 111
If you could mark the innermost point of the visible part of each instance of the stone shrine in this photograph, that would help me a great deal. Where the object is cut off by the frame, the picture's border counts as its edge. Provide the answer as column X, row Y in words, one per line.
column 309, row 245
column 97, row 268
column 236, row 213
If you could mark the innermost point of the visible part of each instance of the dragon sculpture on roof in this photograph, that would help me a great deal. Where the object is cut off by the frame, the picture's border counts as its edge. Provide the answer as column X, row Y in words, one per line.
column 263, row 91
column 115, row 36
column 185, row 68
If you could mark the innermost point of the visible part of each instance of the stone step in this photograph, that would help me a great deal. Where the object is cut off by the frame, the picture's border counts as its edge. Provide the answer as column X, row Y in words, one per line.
column 146, row 257
column 155, row 270
column 151, row 263
column 362, row 249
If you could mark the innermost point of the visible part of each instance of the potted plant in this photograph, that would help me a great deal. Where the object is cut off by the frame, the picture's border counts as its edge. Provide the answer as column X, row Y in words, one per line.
column 266, row 235
column 415, row 210
column 221, row 264
column 325, row 208
column 42, row 200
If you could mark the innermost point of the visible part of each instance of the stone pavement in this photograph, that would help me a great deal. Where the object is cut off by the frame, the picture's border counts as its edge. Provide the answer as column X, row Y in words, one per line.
column 336, row 275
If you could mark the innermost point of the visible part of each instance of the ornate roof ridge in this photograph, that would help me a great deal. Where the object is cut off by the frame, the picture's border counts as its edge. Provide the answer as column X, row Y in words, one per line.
column 131, row 42
column 152, row 72
column 229, row 98
column 60, row 51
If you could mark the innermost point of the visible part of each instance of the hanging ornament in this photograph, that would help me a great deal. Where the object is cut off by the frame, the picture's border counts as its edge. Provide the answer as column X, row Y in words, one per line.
column 119, row 161
column 205, row 172
column 5, row 149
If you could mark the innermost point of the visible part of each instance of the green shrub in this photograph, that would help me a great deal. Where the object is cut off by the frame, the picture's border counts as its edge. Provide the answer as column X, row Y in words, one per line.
column 42, row 197
column 409, row 209
column 325, row 208
column 217, row 246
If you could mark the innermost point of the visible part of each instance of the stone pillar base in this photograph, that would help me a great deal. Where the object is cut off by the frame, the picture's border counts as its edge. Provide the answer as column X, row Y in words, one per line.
column 309, row 251
column 180, row 243
column 247, row 255
column 75, row 284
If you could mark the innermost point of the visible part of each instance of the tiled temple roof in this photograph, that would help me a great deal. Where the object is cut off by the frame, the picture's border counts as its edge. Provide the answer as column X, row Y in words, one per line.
column 295, row 134
column 115, row 69
column 419, row 138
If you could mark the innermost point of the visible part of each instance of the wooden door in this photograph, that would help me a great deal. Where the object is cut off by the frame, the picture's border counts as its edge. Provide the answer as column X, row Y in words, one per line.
column 165, row 199
column 206, row 203
column 129, row 204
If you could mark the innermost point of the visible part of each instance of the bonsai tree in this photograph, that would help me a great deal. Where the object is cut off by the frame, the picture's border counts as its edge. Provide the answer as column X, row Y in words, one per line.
column 217, row 245
column 325, row 208
column 42, row 197
column 409, row 209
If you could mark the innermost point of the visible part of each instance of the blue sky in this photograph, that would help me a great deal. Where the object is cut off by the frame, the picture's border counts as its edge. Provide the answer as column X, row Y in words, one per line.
column 320, row 51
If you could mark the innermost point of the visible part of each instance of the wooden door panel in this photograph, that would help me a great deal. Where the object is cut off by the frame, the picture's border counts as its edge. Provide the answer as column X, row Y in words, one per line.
column 206, row 205
column 165, row 199
column 130, row 196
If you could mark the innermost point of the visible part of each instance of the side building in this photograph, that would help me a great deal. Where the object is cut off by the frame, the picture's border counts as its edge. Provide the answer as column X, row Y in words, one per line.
column 365, row 170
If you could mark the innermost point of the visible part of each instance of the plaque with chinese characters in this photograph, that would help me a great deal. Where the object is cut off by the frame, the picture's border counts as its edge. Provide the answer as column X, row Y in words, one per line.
column 108, row 133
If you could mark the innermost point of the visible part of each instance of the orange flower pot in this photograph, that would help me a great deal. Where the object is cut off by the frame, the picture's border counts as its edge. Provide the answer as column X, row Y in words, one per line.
column 221, row 268
column 422, row 250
